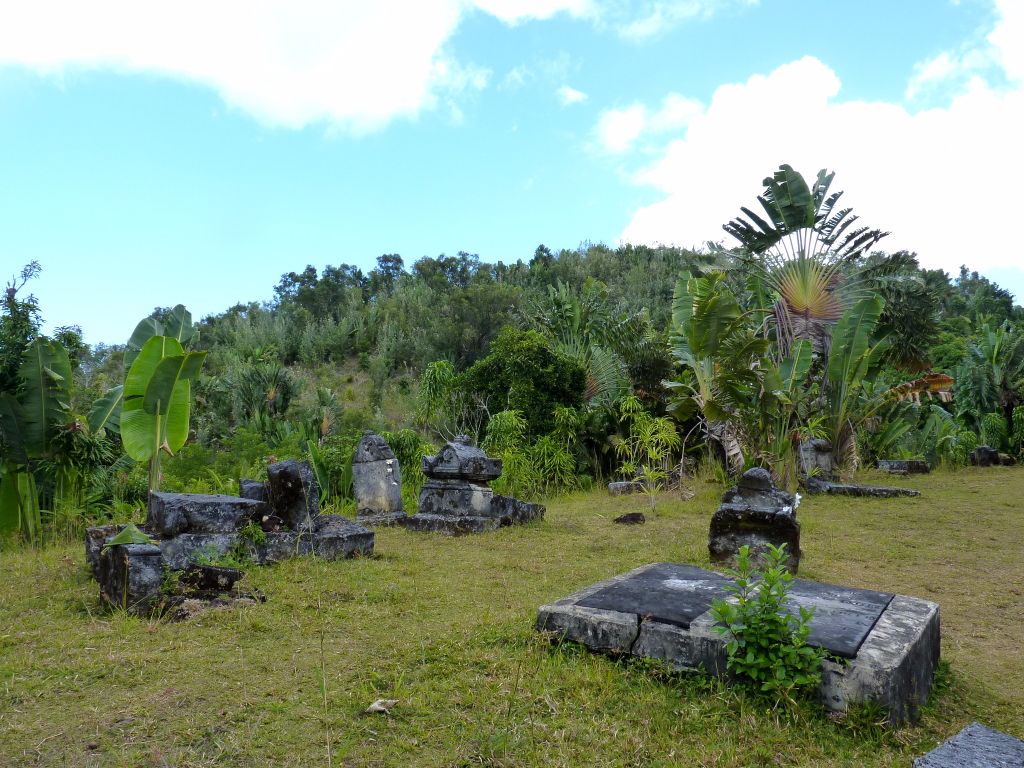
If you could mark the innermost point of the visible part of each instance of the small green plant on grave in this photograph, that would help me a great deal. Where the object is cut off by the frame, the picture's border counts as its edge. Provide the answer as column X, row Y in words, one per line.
column 767, row 646
column 253, row 534
column 171, row 582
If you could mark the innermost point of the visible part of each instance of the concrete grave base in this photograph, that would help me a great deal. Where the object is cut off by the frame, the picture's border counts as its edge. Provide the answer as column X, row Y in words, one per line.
column 976, row 747
column 888, row 645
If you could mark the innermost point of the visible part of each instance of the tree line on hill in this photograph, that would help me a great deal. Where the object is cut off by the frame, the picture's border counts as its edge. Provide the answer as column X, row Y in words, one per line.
column 573, row 366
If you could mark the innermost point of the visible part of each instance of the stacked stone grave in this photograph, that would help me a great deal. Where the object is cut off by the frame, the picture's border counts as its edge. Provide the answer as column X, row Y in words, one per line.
column 278, row 520
column 457, row 498
column 754, row 514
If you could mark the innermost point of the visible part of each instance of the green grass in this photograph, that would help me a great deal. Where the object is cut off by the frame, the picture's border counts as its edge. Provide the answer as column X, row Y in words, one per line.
column 445, row 627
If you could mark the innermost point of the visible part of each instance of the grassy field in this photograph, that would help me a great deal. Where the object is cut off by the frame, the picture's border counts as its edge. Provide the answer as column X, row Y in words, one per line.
column 445, row 627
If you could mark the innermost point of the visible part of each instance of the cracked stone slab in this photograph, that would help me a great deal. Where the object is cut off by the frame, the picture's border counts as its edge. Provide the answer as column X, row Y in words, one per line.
column 885, row 646
column 976, row 747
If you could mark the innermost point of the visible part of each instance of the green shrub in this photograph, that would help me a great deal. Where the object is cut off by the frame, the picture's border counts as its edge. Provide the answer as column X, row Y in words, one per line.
column 767, row 646
column 993, row 431
column 1017, row 435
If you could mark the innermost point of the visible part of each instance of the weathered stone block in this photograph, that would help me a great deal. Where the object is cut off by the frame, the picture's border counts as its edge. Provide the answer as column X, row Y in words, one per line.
column 754, row 514
column 904, row 466
column 815, row 458
column 976, row 747
column 456, row 498
column 816, row 486
column 294, row 492
column 985, row 456
column 376, row 480
column 336, row 537
column 256, row 490
column 451, row 525
column 95, row 538
column 625, row 488
column 515, row 512
column 174, row 513
column 131, row 576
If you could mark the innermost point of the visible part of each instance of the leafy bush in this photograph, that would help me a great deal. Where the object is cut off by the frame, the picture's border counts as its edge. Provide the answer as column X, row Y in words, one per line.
column 767, row 646
column 409, row 448
column 523, row 373
column 1017, row 435
column 993, row 431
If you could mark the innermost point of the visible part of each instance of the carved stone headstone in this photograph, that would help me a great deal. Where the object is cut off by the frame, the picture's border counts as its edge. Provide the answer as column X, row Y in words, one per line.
column 755, row 513
column 377, row 482
column 815, row 457
column 294, row 493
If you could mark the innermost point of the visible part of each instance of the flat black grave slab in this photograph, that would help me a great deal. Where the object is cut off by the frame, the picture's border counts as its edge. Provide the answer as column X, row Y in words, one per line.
column 843, row 616
column 976, row 747
column 669, row 593
column 678, row 594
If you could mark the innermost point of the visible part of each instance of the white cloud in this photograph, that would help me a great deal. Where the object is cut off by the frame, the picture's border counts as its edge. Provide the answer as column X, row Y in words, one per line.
column 940, row 180
column 569, row 95
column 619, row 130
column 355, row 65
column 639, row 21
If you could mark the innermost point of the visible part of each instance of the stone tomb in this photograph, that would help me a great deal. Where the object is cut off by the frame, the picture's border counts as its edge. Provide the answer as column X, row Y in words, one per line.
column 976, row 747
column 187, row 529
column 888, row 644
column 456, row 498
column 377, row 482
column 755, row 514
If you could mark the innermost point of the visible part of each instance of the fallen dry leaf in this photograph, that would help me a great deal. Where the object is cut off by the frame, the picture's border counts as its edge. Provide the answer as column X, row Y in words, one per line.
column 381, row 705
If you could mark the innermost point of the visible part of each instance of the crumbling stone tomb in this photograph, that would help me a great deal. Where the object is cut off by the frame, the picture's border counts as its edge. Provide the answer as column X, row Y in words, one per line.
column 887, row 645
column 280, row 519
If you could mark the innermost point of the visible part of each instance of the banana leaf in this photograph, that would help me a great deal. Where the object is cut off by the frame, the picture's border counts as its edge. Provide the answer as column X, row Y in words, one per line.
column 46, row 396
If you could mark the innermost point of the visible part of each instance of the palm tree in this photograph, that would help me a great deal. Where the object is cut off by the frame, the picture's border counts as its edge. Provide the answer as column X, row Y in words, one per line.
column 806, row 253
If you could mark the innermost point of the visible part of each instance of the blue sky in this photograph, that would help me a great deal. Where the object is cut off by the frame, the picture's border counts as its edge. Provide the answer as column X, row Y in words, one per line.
column 186, row 155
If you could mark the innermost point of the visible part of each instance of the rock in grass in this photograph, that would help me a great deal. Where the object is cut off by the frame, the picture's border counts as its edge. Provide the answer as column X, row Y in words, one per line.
column 631, row 518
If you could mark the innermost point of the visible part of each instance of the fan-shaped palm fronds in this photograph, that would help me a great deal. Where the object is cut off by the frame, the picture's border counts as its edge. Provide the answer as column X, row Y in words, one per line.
column 806, row 251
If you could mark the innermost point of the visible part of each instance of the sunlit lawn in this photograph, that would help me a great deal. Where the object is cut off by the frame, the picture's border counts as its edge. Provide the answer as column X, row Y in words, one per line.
column 445, row 627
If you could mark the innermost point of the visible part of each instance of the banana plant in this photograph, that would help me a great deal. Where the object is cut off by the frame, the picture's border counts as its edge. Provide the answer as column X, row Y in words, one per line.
column 157, row 400
column 28, row 423
column 177, row 325
column 717, row 344
column 854, row 358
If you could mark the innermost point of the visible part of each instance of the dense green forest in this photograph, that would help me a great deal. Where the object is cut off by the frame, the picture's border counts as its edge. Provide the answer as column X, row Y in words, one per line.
column 575, row 366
